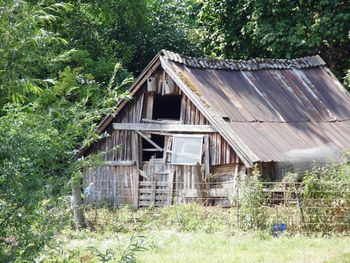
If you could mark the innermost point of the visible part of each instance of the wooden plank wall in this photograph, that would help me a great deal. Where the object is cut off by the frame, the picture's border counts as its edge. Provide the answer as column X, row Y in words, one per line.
column 225, row 183
column 123, row 145
column 171, row 182
column 188, row 184
column 126, row 146
column 115, row 184
column 159, row 190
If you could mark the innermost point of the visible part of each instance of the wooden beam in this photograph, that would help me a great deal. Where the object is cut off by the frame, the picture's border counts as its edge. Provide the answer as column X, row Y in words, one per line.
column 150, row 141
column 121, row 163
column 151, row 150
column 161, row 122
column 163, row 127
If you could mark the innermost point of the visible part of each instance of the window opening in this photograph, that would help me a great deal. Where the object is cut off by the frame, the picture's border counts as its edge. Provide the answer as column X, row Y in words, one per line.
column 187, row 149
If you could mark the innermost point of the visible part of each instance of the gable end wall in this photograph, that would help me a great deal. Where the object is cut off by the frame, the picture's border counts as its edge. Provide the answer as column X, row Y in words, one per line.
column 119, row 144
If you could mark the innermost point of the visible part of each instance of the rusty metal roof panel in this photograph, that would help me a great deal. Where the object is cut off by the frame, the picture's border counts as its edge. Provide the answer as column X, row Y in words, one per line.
column 272, row 141
column 274, row 106
column 204, row 84
column 271, row 95
column 334, row 97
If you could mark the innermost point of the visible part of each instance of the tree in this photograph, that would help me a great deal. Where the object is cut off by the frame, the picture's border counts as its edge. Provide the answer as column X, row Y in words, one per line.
column 131, row 32
column 102, row 33
column 169, row 24
column 31, row 179
column 37, row 168
column 28, row 48
column 278, row 29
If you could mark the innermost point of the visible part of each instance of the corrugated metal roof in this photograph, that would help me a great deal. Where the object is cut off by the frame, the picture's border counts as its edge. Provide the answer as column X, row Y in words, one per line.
column 272, row 141
column 274, row 106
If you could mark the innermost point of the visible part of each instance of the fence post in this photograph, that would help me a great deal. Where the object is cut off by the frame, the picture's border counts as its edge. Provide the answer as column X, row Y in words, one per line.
column 299, row 204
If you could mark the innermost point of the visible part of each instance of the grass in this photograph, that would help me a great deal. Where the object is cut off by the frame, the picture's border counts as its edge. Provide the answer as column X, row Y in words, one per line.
column 218, row 247
column 186, row 233
column 173, row 246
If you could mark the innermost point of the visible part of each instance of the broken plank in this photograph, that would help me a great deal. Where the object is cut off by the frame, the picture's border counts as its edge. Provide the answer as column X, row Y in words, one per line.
column 143, row 174
column 150, row 141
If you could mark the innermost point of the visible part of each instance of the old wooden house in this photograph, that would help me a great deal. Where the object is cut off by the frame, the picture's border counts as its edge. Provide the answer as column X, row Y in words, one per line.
column 193, row 125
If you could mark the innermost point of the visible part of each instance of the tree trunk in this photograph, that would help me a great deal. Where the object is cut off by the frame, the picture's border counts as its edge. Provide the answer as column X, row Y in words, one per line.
column 76, row 207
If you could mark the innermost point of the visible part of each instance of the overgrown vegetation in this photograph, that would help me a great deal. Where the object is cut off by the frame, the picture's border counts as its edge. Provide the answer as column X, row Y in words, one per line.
column 317, row 203
column 63, row 65
column 325, row 211
column 183, row 218
column 327, row 199
column 195, row 233
column 122, row 250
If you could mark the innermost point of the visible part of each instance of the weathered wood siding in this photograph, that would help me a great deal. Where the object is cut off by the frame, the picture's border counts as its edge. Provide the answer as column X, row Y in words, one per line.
column 115, row 184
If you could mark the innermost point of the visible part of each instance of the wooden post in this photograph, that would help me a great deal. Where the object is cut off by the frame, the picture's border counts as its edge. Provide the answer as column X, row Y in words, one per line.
column 238, row 201
column 183, row 110
column 153, row 182
column 76, row 207
column 135, row 148
column 206, row 156
column 299, row 205
column 135, row 187
column 149, row 106
column 200, row 182
column 170, row 186
column 235, row 176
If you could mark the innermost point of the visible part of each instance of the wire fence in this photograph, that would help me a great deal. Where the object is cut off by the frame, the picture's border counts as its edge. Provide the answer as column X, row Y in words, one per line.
column 293, row 207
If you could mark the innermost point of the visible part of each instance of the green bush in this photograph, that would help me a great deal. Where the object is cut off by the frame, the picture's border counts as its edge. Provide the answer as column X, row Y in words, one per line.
column 252, row 205
column 122, row 250
column 31, row 206
column 37, row 171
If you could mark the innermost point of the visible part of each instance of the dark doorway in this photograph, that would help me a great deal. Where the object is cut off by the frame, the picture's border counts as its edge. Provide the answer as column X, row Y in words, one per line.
column 166, row 107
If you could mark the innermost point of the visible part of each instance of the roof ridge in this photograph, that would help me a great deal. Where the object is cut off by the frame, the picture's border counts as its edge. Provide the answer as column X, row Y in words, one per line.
column 251, row 64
